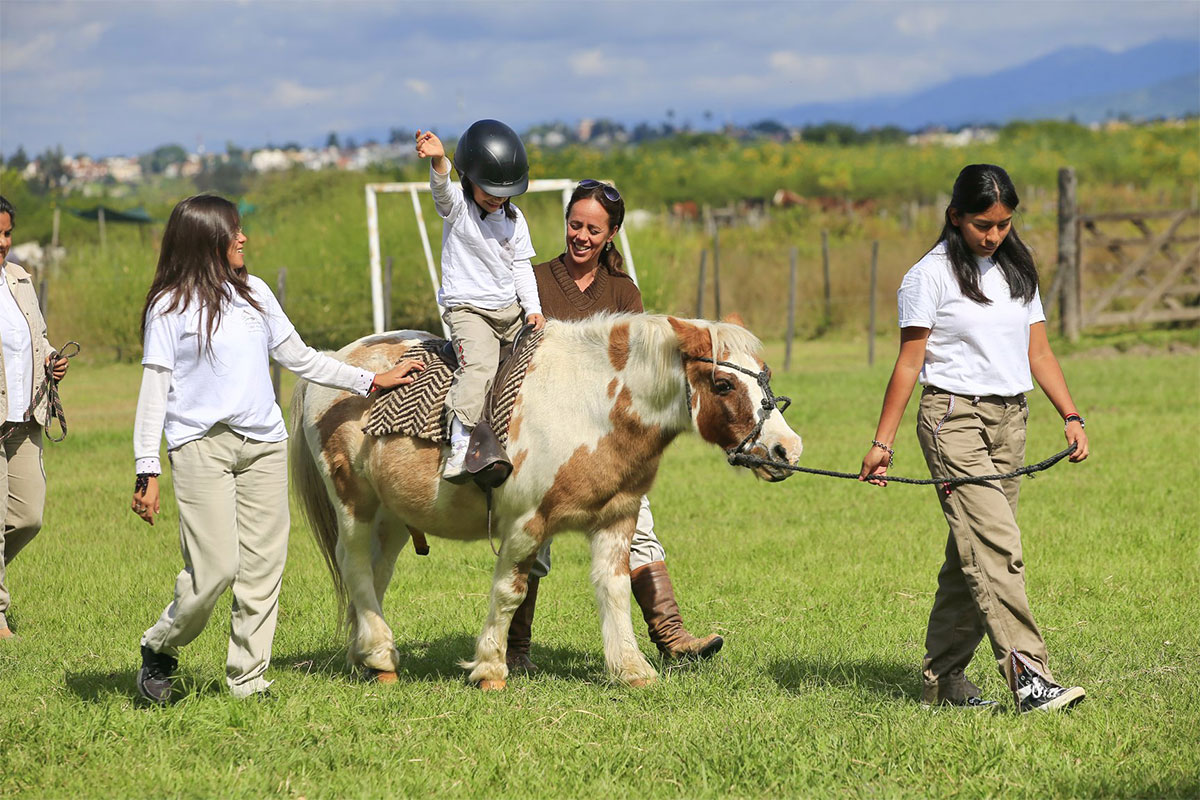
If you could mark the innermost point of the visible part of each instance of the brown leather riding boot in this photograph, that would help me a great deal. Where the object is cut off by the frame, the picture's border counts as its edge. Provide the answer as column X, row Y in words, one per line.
column 653, row 592
column 520, row 630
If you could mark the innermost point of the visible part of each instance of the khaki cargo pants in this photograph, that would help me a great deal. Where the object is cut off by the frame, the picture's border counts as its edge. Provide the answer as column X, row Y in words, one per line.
column 477, row 334
column 981, row 586
column 233, row 530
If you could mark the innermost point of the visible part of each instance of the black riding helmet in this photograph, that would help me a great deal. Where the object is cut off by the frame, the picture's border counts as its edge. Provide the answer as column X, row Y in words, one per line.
column 491, row 154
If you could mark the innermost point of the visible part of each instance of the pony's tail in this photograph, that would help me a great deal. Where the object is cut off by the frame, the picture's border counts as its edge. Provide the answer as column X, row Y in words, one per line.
column 310, row 488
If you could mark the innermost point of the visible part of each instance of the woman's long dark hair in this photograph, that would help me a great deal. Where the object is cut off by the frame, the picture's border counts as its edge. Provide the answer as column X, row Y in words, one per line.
column 468, row 189
column 978, row 188
column 193, row 263
column 610, row 256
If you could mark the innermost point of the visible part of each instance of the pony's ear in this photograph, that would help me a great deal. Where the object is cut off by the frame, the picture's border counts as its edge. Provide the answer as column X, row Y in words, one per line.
column 734, row 318
column 693, row 340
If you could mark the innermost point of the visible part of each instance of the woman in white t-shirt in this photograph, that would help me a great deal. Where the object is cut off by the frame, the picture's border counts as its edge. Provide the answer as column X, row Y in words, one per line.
column 973, row 332
column 209, row 329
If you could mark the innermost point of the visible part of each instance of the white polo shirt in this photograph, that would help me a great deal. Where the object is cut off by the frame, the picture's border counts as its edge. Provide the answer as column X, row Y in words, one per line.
column 972, row 349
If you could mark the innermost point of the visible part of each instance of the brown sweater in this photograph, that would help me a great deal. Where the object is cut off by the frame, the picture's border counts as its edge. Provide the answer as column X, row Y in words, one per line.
column 561, row 298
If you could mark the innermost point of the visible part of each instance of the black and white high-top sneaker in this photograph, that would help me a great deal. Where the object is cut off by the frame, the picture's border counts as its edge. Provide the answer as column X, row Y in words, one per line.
column 154, row 679
column 1032, row 692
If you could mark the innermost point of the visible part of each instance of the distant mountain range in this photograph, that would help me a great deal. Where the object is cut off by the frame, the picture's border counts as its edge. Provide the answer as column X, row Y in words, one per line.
column 1087, row 83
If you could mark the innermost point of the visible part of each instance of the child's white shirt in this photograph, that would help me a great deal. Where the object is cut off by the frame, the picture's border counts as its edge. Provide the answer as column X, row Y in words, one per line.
column 485, row 262
column 187, row 388
column 972, row 349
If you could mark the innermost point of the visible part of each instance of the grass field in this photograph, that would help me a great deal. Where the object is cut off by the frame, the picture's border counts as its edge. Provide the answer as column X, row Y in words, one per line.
column 820, row 587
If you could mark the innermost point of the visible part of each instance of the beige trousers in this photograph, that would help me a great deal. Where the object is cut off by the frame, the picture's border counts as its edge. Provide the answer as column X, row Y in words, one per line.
column 644, row 549
column 981, row 586
column 23, row 486
column 233, row 531
column 477, row 334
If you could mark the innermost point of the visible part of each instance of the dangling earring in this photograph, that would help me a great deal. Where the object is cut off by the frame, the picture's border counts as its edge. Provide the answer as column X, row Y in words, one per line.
column 608, row 245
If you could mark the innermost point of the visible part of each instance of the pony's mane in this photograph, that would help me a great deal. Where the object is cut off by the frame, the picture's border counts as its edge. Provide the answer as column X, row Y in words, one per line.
column 653, row 341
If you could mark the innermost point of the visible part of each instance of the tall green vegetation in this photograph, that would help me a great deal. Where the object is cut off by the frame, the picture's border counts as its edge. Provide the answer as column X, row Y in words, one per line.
column 314, row 224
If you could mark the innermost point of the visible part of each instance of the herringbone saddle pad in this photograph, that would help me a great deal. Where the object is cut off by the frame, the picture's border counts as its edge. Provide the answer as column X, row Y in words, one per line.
column 418, row 409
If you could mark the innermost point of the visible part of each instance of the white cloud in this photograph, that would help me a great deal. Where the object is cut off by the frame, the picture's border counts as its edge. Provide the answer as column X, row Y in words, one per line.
column 289, row 94
column 925, row 21
column 418, row 86
column 799, row 65
column 589, row 63
column 19, row 56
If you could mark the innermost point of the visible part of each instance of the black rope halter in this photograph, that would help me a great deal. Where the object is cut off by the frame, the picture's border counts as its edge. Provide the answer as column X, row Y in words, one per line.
column 770, row 402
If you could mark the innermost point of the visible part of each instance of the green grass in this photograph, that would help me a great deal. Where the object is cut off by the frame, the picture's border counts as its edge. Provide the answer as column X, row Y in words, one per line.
column 821, row 588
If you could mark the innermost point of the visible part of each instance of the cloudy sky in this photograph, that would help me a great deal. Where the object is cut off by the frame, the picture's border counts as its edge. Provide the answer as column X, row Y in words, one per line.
column 110, row 78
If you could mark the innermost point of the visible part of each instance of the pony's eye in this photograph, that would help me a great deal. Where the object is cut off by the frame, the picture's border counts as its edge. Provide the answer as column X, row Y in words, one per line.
column 722, row 386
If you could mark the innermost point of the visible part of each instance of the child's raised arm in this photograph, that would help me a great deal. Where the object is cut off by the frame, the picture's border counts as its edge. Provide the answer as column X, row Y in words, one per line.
column 430, row 146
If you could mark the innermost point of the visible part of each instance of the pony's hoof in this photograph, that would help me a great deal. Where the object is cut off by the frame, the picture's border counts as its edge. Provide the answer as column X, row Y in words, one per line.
column 492, row 686
column 641, row 683
column 382, row 676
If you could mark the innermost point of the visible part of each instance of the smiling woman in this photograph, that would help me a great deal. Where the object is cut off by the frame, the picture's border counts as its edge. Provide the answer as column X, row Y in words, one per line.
column 586, row 280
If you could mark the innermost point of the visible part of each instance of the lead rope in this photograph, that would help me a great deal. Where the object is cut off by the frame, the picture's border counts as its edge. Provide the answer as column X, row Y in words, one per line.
column 49, row 390
column 740, row 456
column 947, row 484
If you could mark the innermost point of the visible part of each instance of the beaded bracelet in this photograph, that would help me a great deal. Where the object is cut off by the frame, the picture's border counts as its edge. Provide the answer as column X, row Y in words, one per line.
column 1069, row 418
column 142, row 482
column 891, row 453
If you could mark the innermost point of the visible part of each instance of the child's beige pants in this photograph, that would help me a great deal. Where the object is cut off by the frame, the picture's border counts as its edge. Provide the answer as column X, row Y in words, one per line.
column 477, row 334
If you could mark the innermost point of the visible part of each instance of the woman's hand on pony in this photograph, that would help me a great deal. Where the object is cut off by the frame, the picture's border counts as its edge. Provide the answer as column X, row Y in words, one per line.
column 398, row 375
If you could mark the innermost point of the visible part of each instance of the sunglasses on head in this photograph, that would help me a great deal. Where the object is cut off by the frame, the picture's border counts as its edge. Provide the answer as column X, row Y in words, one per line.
column 609, row 191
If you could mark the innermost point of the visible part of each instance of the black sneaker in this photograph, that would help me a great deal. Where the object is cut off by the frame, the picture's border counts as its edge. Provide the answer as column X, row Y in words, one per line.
column 954, row 689
column 1036, row 693
column 154, row 678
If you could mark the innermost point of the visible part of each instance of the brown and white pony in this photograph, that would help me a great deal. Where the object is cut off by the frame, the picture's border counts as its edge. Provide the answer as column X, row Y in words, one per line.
column 600, row 403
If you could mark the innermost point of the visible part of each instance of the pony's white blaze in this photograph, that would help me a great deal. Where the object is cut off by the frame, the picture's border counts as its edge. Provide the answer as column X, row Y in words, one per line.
column 601, row 401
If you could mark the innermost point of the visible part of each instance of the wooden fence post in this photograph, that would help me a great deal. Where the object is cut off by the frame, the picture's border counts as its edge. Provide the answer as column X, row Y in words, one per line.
column 43, row 300
column 791, row 325
column 281, row 295
column 54, row 228
column 103, row 236
column 1069, row 296
column 387, row 295
column 874, row 283
column 700, row 281
column 717, row 270
column 825, row 271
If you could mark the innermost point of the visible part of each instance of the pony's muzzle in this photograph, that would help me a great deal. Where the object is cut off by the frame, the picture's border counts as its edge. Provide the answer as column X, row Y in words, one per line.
column 779, row 456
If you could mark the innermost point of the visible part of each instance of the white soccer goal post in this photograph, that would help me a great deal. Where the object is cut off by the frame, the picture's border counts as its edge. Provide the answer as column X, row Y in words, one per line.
column 413, row 189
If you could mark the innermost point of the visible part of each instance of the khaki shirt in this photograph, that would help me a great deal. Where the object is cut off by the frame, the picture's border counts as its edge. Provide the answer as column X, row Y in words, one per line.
column 21, row 286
